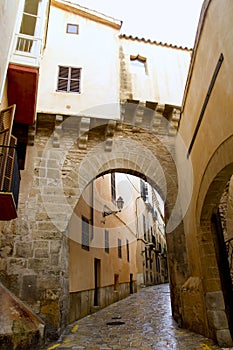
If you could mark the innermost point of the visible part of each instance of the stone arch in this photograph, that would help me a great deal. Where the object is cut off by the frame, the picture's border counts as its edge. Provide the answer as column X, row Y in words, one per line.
column 140, row 152
column 216, row 281
column 60, row 173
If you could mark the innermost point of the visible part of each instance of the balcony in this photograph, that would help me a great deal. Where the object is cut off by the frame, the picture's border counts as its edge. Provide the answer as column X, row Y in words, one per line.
column 26, row 50
column 9, row 172
column 9, row 181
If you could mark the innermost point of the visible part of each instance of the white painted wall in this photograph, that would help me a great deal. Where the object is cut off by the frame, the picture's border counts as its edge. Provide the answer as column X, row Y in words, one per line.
column 94, row 50
column 167, row 69
column 8, row 13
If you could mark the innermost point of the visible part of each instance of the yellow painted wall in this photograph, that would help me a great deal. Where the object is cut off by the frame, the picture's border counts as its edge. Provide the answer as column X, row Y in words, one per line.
column 210, row 156
column 81, row 261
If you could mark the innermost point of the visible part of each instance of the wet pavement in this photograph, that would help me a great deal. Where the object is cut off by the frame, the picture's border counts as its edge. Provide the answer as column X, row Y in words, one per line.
column 141, row 321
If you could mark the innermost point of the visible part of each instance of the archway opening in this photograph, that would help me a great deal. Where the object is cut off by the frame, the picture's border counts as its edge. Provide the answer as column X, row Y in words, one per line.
column 216, row 255
column 115, row 251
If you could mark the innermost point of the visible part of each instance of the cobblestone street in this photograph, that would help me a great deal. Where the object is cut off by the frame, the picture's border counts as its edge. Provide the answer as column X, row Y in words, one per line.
column 141, row 321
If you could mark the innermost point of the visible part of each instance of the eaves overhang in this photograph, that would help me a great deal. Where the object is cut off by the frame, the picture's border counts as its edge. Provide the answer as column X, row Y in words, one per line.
column 87, row 13
column 153, row 42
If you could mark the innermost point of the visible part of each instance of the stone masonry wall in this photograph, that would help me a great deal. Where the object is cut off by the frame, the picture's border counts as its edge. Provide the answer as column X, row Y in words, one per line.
column 34, row 253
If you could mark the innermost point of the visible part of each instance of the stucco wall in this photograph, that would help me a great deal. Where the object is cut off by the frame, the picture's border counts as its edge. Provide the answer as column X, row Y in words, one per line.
column 94, row 50
column 210, row 154
column 8, row 10
column 165, row 73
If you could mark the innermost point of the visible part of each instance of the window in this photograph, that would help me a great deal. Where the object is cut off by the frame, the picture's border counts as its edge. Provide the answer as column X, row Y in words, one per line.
column 138, row 64
column 127, row 249
column 119, row 249
column 144, row 190
column 72, row 28
column 28, row 26
column 30, row 12
column 144, row 226
column 113, row 187
column 69, row 79
column 85, row 233
column 106, row 234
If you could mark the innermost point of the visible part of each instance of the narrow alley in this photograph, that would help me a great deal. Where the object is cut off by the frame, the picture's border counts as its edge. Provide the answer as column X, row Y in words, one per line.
column 141, row 321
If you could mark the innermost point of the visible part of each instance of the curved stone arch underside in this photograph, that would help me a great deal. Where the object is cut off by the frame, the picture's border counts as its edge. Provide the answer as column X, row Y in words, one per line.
column 151, row 157
column 217, row 174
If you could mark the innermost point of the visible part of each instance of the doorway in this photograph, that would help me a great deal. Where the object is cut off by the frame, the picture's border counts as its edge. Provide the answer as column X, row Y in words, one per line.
column 223, row 265
column 97, row 282
column 131, row 283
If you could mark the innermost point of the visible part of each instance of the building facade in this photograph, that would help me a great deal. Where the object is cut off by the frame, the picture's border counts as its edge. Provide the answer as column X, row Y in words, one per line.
column 206, row 127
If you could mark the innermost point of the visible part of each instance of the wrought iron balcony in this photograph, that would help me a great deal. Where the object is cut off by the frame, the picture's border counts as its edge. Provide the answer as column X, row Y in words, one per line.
column 9, row 180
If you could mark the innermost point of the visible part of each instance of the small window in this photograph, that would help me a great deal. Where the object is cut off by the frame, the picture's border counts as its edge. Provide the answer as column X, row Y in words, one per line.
column 113, row 187
column 69, row 79
column 138, row 64
column 85, row 234
column 144, row 190
column 106, row 233
column 127, row 249
column 72, row 28
column 119, row 249
column 144, row 226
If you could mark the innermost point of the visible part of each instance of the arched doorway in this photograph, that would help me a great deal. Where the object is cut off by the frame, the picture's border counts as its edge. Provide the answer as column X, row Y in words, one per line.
column 215, row 267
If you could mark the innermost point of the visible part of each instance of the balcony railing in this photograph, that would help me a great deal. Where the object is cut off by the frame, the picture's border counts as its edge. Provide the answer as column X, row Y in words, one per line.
column 9, row 180
column 26, row 50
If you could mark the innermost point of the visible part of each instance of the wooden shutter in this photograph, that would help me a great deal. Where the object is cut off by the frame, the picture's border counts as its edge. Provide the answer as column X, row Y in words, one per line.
column 75, row 79
column 63, row 79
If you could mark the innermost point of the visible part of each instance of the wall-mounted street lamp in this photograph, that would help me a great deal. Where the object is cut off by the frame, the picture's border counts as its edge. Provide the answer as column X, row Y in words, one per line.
column 119, row 203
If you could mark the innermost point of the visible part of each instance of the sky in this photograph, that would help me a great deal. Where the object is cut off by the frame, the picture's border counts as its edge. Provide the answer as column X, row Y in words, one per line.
column 169, row 21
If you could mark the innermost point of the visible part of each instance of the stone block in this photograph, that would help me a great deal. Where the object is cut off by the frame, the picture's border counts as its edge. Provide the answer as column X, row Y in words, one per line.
column 15, row 266
column 29, row 290
column 53, row 173
column 54, row 259
column 215, row 301
column 41, row 253
column 55, row 246
column 217, row 319
column 23, row 250
column 224, row 338
column 38, row 264
column 49, row 282
column 41, row 244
